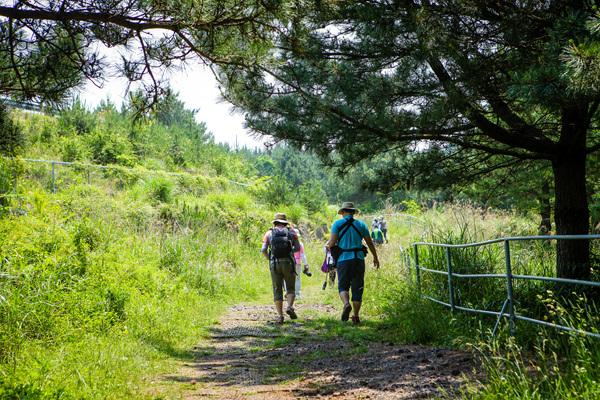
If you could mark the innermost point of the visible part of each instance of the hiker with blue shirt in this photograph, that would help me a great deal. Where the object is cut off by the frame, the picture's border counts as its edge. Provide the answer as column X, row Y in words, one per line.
column 347, row 235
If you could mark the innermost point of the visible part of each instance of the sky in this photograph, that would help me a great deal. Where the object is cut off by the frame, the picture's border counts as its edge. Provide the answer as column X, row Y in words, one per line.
column 198, row 89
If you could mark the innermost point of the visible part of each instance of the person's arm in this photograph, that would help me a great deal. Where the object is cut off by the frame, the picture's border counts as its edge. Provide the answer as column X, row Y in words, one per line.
column 333, row 238
column 265, row 246
column 304, row 259
column 373, row 251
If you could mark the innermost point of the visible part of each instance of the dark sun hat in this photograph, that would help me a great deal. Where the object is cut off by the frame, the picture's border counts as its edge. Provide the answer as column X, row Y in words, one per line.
column 280, row 218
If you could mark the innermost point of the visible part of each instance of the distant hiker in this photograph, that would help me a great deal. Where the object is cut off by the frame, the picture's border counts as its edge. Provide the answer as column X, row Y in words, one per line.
column 377, row 236
column 279, row 245
column 374, row 224
column 346, row 244
column 300, row 258
column 383, row 228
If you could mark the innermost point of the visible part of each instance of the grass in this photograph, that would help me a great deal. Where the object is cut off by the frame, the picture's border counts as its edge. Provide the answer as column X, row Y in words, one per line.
column 113, row 284
column 105, row 287
column 537, row 363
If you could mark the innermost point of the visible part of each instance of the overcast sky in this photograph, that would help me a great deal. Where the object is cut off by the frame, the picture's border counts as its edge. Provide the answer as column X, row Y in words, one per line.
column 198, row 89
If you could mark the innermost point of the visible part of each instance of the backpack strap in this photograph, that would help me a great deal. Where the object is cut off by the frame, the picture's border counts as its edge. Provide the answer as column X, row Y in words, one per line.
column 345, row 228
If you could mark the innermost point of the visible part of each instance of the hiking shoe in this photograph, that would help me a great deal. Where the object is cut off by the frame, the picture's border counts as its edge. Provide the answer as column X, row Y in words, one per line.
column 290, row 311
column 355, row 320
column 346, row 312
column 324, row 285
column 279, row 320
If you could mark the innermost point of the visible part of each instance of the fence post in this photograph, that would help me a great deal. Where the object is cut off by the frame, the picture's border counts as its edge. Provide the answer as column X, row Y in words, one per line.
column 417, row 271
column 450, row 287
column 509, row 288
column 89, row 178
column 53, row 179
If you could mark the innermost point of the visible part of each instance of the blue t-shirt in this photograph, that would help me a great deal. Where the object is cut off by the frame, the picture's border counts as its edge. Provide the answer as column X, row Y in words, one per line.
column 351, row 239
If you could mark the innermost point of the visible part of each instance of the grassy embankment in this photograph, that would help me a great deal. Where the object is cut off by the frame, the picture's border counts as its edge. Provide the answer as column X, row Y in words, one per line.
column 104, row 286
column 537, row 363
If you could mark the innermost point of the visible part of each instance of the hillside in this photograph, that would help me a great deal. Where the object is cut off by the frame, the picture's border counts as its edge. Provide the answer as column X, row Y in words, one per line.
column 104, row 282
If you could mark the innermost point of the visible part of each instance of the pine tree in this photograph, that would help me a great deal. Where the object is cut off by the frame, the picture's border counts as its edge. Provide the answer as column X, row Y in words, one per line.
column 354, row 79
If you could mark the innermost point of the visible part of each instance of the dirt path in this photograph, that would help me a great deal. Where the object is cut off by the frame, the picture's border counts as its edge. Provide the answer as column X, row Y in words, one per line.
column 249, row 357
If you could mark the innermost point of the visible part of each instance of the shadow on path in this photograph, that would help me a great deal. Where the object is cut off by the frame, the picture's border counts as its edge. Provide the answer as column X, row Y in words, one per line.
column 315, row 356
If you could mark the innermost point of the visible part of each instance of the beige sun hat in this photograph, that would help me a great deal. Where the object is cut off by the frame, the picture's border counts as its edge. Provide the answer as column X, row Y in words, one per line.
column 280, row 218
column 349, row 206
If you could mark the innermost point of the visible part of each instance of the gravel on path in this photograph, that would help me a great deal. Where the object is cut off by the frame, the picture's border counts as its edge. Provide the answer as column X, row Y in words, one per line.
column 250, row 357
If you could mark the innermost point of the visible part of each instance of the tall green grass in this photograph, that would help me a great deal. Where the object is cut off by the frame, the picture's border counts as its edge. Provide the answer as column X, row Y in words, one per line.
column 105, row 286
column 537, row 363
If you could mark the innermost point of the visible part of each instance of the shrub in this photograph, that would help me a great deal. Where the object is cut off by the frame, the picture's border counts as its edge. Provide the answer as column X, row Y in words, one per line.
column 110, row 148
column 73, row 149
column 159, row 189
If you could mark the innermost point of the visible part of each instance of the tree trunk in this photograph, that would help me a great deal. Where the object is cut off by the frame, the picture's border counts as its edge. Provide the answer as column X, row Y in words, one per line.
column 545, row 208
column 571, row 213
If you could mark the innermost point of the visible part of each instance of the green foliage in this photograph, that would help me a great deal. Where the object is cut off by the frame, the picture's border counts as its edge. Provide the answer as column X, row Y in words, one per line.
column 409, row 83
column 410, row 207
column 133, row 266
column 11, row 135
column 159, row 189
column 411, row 318
column 6, row 182
column 76, row 119
column 46, row 56
column 312, row 196
column 538, row 363
column 108, row 147
column 561, row 366
column 114, row 278
column 73, row 149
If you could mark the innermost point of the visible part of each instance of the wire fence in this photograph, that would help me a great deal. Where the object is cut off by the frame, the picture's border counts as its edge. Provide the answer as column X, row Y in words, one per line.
column 508, row 309
column 87, row 169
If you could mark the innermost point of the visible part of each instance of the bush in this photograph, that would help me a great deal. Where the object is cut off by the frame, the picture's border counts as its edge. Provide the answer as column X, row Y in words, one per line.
column 73, row 149
column 159, row 189
column 110, row 148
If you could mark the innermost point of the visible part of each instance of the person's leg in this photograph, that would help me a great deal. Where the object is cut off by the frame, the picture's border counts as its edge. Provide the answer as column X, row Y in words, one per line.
column 298, row 283
column 345, row 297
column 356, row 307
column 358, row 286
column 290, row 281
column 290, row 297
column 344, row 287
column 277, row 281
column 279, row 307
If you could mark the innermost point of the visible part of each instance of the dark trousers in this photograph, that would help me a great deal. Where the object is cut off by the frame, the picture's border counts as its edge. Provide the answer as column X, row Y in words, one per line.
column 351, row 275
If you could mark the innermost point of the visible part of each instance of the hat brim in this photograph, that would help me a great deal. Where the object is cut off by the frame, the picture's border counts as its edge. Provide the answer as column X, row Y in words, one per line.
column 281, row 221
column 356, row 210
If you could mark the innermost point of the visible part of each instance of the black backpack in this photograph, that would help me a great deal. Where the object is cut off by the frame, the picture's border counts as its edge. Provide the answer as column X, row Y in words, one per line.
column 281, row 243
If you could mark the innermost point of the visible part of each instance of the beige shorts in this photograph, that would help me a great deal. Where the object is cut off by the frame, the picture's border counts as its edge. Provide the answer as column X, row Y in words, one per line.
column 282, row 269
